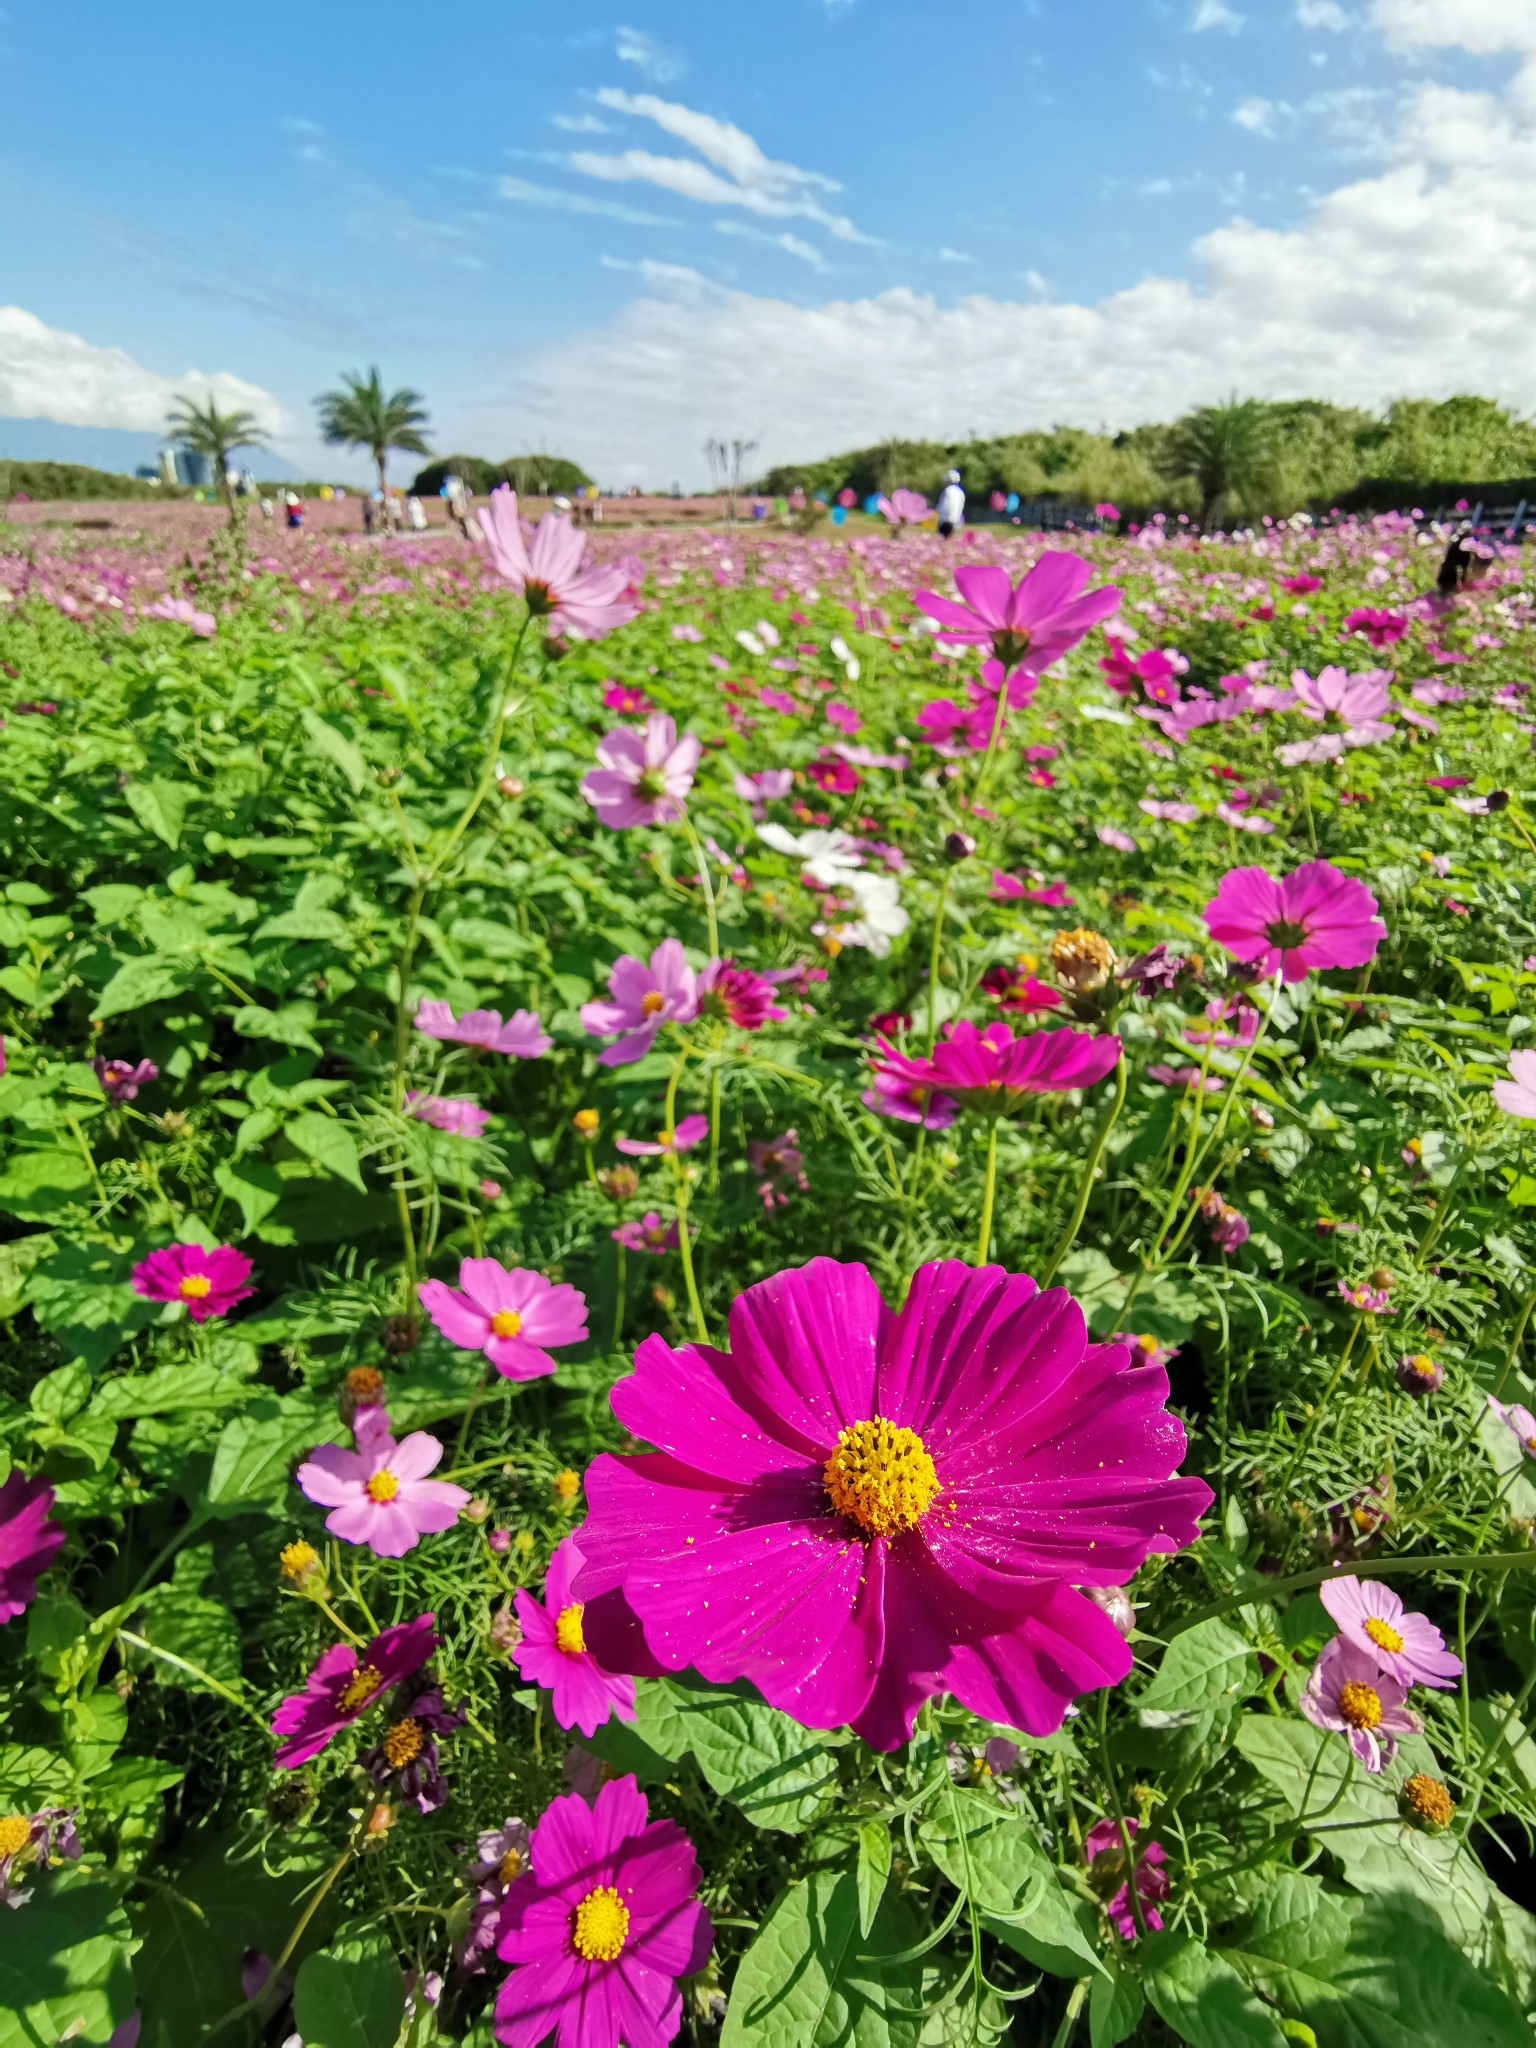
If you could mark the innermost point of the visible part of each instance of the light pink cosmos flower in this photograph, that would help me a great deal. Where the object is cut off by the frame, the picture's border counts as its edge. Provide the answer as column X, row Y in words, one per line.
column 644, row 999
column 1111, row 835
column 1029, row 626
column 553, row 1652
column 1349, row 1694
column 459, row 1115
column 511, row 1314
column 1517, row 1095
column 552, row 573
column 208, row 1282
column 642, row 778
column 766, row 787
column 1518, row 1420
column 379, row 1494
column 1228, row 1022
column 1243, row 821
column 1357, row 702
column 1371, row 1301
column 203, row 624
column 1314, row 918
column 1406, row 1646
column 1169, row 810
column 522, row 1037
column 688, row 1133
column 1184, row 1077
column 903, row 508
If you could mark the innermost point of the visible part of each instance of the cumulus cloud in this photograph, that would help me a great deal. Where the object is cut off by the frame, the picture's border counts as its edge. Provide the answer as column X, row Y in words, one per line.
column 1214, row 14
column 1420, row 278
column 631, row 46
column 955, row 256
column 1322, row 14
column 735, row 171
column 47, row 373
column 580, row 124
column 1481, row 27
column 1256, row 115
column 792, row 245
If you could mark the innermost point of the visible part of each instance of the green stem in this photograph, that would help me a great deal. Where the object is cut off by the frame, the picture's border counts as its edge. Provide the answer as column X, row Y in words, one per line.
column 1381, row 1567
column 1085, row 1185
column 1127, row 1844
column 618, row 1298
column 308, row 1914
column 933, row 964
column 680, row 1178
column 195, row 1671
column 989, row 1195
column 1316, row 1416
column 709, row 888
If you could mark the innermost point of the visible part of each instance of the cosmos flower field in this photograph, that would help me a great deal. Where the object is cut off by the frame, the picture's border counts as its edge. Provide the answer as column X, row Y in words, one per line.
column 767, row 1287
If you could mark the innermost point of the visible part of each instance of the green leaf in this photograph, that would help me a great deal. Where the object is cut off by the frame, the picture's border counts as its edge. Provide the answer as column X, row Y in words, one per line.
column 139, row 982
column 251, row 1460
column 198, row 1630
column 328, row 1143
column 255, row 1185
column 1055, row 1932
column 781, row 1775
column 65, row 1970
column 1202, row 1997
column 61, row 1393
column 84, row 1297
column 287, row 1026
column 1115, row 2007
column 94, row 1728
column 31, row 1777
column 987, row 1853
column 38, row 1185
column 872, row 1870
column 326, row 740
column 350, row 1994
column 811, row 1980
column 160, row 807
column 133, row 1781
column 1205, row 1668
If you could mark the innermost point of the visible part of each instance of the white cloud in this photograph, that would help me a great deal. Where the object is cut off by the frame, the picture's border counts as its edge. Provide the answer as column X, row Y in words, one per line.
column 1420, row 278
column 631, row 46
column 550, row 199
column 955, row 256
column 46, row 373
column 1322, row 14
column 1479, row 26
column 792, row 245
column 1214, row 14
column 1256, row 115
column 735, row 170
column 580, row 124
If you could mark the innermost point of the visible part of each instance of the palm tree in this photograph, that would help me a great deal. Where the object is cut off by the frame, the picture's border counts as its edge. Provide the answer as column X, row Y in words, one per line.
column 1228, row 452
column 361, row 416
column 216, row 435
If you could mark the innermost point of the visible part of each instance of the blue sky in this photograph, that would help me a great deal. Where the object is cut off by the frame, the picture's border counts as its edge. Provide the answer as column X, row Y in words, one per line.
column 810, row 222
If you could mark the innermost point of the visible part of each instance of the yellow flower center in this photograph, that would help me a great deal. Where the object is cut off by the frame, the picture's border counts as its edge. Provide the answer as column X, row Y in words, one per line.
column 1429, row 1799
column 600, row 1925
column 1421, row 1365
column 1147, row 1343
column 361, row 1687
column 567, row 1484
column 652, row 1001
column 15, row 1833
column 1360, row 1704
column 382, row 1487
column 1383, row 1635
column 298, row 1560
column 510, row 1866
column 881, row 1476
column 402, row 1744
column 365, row 1383
column 568, row 1635
column 194, row 1286
column 506, row 1323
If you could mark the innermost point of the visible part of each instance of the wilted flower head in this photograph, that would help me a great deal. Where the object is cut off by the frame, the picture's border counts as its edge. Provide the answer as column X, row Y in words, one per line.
column 780, row 1167
column 1419, row 1374
column 344, row 1684
column 1349, row 1694
column 32, row 1841
column 647, row 1233
column 1104, row 1852
column 1082, row 959
column 1153, row 973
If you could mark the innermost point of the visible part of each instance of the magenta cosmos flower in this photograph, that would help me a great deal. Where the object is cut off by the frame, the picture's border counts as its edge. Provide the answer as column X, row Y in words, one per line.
column 379, row 1494
column 991, row 1070
column 601, row 1928
column 1517, row 1095
column 737, row 994
column 903, row 507
column 209, row 1282
column 509, row 1313
column 1349, row 1694
column 121, row 1080
column 1380, row 628
column 1026, row 627
column 553, row 1652
column 459, row 1115
column 522, row 1037
column 1104, row 1853
column 643, row 778
column 29, row 1542
column 644, row 998
column 855, row 1509
column 552, row 572
column 1315, row 917
column 688, row 1134
column 1405, row 1645
column 647, row 1233
column 344, row 1685
column 909, row 1102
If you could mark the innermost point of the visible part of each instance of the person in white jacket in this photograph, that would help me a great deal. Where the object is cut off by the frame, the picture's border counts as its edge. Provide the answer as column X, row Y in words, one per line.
column 951, row 504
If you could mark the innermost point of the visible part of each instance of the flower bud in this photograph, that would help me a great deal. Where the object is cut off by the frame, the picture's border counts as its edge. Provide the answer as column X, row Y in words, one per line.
column 478, row 1509
column 1425, row 1804
column 505, row 1634
column 301, row 1567
column 619, row 1183
column 1083, row 960
column 400, row 1335
column 363, row 1387
column 500, row 1541
column 585, row 1123
column 958, row 846
column 566, row 1488
column 1116, row 1603
column 510, row 785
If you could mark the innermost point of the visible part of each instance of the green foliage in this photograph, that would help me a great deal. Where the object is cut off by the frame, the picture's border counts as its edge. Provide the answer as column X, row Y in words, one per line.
column 76, row 482
column 529, row 475
column 812, row 1979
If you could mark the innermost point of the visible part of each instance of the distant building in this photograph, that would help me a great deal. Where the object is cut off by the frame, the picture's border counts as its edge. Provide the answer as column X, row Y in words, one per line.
column 185, row 466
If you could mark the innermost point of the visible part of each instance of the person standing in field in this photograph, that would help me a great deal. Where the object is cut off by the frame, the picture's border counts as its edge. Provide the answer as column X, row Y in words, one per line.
column 951, row 504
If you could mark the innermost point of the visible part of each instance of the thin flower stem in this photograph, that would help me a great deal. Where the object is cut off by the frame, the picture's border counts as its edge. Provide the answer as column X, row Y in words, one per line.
column 989, row 1195
column 1085, row 1185
column 1127, row 1842
column 1316, row 1416
column 933, row 964
column 710, row 920
column 618, row 1298
column 308, row 1914
column 194, row 1671
column 1490, row 1757
column 1381, row 1567
column 680, row 1176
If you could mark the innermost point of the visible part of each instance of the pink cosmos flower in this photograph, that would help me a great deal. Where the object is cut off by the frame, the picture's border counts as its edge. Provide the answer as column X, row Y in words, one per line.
column 1170, row 811
column 744, row 998
column 628, row 698
column 644, row 999
column 643, row 779
column 501, row 1856
column 1518, row 1420
column 459, row 1115
column 379, row 1494
column 29, row 1541
column 522, row 1037
column 1151, row 1349
column 1357, row 702
column 1302, row 584
column 647, row 1233
column 779, row 1165
column 1315, row 917
column 1009, row 889
column 909, row 1102
column 843, row 716
column 833, row 776
column 1230, row 1228
column 854, row 1509
column 1019, row 993
column 1381, row 629
column 1027, row 627
column 602, row 1927
column 951, row 728
column 1104, row 1853
column 768, row 786
column 181, row 609
column 552, row 573
column 49, row 1837
column 209, row 1282
column 344, row 1685
column 1349, row 1694
column 903, row 508
column 1111, row 835
column 553, row 1652
column 1229, row 1022
column 121, row 1080
column 1240, row 821
column 1156, row 669
column 1374, row 1620
column 511, row 1314
column 1371, row 1301
column 1517, row 1095
column 1184, row 1077
column 688, row 1133
column 991, row 1070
